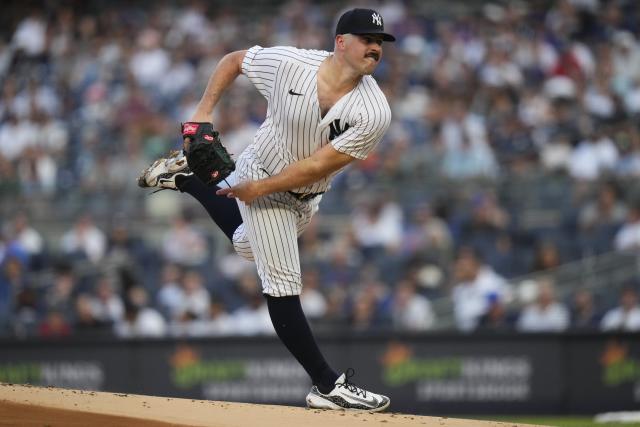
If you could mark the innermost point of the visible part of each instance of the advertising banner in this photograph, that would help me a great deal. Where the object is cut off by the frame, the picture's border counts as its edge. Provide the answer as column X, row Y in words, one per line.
column 604, row 374
column 438, row 375
column 474, row 376
column 86, row 367
column 243, row 371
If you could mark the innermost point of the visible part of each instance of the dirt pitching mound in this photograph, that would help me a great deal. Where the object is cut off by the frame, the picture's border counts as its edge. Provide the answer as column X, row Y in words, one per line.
column 24, row 405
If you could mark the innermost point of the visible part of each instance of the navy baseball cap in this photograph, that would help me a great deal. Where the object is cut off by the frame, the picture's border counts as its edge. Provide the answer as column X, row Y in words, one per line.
column 362, row 21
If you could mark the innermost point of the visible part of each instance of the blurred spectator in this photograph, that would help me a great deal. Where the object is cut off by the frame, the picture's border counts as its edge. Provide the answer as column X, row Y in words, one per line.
column 592, row 157
column 486, row 222
column 221, row 321
column 30, row 36
column 86, row 323
column 628, row 140
column 336, row 313
column 546, row 314
column 240, row 131
column 37, row 171
column 15, row 137
column 625, row 317
column 369, row 303
column 499, row 70
column 139, row 319
column 377, row 226
column 170, row 296
column 26, row 236
column 485, row 228
column 54, row 326
column 123, row 249
column 313, row 301
column 363, row 312
column 464, row 139
column 599, row 99
column 584, row 315
column 411, row 311
column 9, row 184
column 196, row 298
column 26, row 312
column 628, row 237
column 252, row 318
column 341, row 267
column 601, row 219
column 232, row 266
column 85, row 240
column 12, row 283
column 60, row 294
column 497, row 318
column 150, row 62
column 625, row 61
column 545, row 96
column 546, row 256
column 562, row 131
column 183, row 244
column 606, row 211
column 427, row 234
column 474, row 282
column 106, row 304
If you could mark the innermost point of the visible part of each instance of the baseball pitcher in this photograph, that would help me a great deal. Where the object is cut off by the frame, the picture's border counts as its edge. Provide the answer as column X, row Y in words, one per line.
column 325, row 110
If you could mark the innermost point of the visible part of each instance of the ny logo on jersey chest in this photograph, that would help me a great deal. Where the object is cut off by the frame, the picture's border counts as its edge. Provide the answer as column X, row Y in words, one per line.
column 335, row 129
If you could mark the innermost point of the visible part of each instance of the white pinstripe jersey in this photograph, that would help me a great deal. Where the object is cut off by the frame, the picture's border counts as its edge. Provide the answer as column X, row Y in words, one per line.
column 293, row 128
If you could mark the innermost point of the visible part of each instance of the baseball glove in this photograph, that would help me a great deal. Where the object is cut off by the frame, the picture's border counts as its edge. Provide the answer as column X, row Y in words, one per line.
column 206, row 156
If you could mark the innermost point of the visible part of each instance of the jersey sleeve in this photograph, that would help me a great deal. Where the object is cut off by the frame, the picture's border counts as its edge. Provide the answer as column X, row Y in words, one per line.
column 359, row 140
column 260, row 66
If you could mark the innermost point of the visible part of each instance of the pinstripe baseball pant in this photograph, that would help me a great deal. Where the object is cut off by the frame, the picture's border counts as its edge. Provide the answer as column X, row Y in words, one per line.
column 269, row 232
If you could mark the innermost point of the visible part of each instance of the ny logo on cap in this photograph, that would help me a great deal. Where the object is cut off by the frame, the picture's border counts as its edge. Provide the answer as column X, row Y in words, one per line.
column 377, row 19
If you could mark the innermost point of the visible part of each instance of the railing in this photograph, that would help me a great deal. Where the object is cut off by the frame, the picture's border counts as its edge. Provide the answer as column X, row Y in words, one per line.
column 607, row 272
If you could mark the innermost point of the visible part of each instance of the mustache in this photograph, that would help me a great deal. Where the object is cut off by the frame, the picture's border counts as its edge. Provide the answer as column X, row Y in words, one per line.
column 374, row 55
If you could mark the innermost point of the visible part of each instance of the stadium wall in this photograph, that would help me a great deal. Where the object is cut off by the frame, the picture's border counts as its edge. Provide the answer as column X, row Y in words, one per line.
column 424, row 374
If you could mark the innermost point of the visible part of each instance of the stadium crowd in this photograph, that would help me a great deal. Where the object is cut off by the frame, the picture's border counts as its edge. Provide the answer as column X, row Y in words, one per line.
column 514, row 147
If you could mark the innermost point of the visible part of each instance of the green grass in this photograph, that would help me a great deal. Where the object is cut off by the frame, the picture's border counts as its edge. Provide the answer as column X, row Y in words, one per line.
column 555, row 421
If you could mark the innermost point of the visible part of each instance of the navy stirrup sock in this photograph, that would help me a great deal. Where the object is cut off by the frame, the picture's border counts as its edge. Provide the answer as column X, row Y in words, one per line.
column 223, row 210
column 293, row 330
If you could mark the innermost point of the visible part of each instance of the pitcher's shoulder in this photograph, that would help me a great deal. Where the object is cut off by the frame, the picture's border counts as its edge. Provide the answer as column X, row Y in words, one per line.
column 373, row 95
column 302, row 56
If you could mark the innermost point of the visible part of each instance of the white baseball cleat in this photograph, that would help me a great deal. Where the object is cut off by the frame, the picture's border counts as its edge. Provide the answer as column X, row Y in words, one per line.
column 346, row 395
column 163, row 172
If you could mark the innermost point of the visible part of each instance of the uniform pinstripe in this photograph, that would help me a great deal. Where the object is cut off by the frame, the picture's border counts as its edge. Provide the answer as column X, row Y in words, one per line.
column 293, row 130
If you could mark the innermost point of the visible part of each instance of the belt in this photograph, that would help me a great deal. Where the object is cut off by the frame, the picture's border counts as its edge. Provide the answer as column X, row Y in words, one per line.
column 304, row 197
